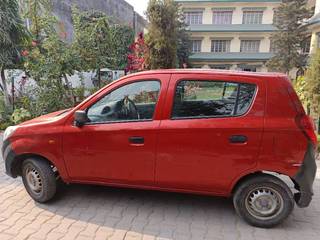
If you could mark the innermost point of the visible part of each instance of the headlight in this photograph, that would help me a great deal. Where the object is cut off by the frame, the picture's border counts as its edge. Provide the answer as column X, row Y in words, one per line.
column 8, row 132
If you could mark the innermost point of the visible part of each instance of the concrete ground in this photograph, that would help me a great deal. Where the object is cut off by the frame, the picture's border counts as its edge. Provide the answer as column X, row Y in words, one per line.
column 91, row 212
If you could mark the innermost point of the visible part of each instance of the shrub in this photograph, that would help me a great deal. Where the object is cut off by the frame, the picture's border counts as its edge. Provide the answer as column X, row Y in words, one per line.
column 20, row 115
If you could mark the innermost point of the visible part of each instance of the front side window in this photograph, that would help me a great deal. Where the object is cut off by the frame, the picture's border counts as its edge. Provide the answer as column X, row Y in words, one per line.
column 252, row 17
column 222, row 17
column 203, row 99
column 132, row 102
column 192, row 18
column 196, row 46
column 220, row 46
column 250, row 46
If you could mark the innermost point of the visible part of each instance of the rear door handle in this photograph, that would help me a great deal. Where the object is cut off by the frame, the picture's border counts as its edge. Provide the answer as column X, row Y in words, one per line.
column 136, row 140
column 238, row 139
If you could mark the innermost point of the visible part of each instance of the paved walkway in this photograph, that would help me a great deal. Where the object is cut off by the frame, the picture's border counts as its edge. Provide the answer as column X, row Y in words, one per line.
column 90, row 212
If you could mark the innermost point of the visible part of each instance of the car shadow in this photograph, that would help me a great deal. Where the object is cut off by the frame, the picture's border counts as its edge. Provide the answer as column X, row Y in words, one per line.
column 146, row 212
column 163, row 214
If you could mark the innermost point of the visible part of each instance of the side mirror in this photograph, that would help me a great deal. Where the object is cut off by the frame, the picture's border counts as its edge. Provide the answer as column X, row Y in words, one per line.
column 80, row 118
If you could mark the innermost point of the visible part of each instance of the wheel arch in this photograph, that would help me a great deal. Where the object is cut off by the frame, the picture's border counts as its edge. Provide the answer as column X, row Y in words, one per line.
column 16, row 166
column 251, row 175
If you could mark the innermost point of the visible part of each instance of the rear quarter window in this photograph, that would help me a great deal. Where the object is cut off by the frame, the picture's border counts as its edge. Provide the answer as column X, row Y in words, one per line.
column 205, row 99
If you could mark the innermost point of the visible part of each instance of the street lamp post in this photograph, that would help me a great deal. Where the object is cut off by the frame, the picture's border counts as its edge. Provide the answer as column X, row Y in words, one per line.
column 12, row 91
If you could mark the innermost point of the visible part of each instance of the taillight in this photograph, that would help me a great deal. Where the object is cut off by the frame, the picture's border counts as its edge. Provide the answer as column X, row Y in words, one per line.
column 308, row 127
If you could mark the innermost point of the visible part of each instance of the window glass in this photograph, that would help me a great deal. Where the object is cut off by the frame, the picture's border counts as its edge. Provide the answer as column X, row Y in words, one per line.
column 192, row 18
column 220, row 67
column 220, row 46
column 201, row 99
column 196, row 46
column 306, row 45
column 249, row 68
column 252, row 17
column 132, row 102
column 250, row 46
column 222, row 17
column 246, row 96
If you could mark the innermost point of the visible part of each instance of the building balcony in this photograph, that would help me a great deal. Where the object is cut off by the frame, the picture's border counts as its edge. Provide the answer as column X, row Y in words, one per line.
column 232, row 28
column 230, row 56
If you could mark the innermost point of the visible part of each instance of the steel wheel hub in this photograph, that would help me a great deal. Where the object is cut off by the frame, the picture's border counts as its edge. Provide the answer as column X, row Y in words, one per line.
column 34, row 180
column 264, row 203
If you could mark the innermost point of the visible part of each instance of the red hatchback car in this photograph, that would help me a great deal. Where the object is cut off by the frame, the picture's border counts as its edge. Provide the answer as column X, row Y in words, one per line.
column 218, row 133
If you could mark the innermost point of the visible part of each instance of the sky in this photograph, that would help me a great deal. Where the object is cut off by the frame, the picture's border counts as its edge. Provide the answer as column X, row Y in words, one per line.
column 140, row 6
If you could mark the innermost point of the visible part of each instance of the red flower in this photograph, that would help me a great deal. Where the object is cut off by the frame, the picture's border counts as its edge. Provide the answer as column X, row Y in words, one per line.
column 34, row 43
column 25, row 53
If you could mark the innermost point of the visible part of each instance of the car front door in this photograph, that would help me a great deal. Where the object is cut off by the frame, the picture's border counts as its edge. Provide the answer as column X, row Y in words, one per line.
column 118, row 144
column 211, row 131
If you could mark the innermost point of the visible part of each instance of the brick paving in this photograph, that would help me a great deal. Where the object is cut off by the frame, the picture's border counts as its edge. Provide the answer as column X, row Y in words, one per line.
column 92, row 212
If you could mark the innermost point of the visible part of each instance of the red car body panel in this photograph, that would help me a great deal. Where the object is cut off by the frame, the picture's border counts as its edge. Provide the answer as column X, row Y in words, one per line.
column 186, row 155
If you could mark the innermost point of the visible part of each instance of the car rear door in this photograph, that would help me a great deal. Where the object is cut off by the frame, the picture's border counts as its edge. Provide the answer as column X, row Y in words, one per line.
column 118, row 146
column 204, row 143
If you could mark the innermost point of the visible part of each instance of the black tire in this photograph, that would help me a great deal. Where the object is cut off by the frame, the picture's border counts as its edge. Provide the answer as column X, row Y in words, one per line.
column 42, row 176
column 272, row 190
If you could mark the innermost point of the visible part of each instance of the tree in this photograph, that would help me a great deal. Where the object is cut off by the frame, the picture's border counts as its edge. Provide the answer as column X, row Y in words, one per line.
column 164, row 28
column 122, row 37
column 48, row 59
column 12, row 36
column 313, row 85
column 93, row 41
column 137, row 57
column 288, row 40
column 184, row 42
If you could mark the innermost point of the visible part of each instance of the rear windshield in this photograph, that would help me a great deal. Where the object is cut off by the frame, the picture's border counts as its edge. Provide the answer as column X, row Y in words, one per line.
column 202, row 99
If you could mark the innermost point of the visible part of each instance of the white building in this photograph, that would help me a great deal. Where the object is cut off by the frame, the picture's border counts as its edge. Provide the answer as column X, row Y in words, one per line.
column 314, row 26
column 230, row 34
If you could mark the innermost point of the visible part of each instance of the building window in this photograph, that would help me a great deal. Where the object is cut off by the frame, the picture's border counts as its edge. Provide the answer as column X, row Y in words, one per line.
column 249, row 68
column 250, row 46
column 252, row 17
column 192, row 18
column 306, row 45
column 273, row 48
column 220, row 46
column 196, row 46
column 275, row 17
column 220, row 67
column 222, row 17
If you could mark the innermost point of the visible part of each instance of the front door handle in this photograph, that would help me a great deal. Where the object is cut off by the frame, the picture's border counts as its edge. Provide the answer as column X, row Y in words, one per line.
column 136, row 140
column 238, row 139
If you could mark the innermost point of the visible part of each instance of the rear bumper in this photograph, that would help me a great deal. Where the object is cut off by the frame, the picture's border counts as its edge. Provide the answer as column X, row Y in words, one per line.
column 305, row 177
column 8, row 158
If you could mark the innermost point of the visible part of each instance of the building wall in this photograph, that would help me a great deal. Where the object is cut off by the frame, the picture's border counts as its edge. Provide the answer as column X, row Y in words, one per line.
column 118, row 10
column 315, row 29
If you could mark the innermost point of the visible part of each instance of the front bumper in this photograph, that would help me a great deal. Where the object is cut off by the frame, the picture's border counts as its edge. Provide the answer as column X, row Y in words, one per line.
column 9, row 159
column 305, row 177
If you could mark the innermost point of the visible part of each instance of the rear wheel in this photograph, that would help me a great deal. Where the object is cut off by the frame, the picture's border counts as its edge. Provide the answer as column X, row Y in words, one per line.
column 263, row 201
column 39, row 179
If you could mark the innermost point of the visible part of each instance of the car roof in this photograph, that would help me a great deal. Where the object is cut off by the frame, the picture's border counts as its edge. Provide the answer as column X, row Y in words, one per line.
column 213, row 71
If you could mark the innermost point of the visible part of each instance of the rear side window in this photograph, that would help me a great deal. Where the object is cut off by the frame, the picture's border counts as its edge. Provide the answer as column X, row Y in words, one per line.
column 203, row 99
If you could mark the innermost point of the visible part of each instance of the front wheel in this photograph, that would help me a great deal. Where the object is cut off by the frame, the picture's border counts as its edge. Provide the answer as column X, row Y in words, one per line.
column 263, row 201
column 39, row 179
